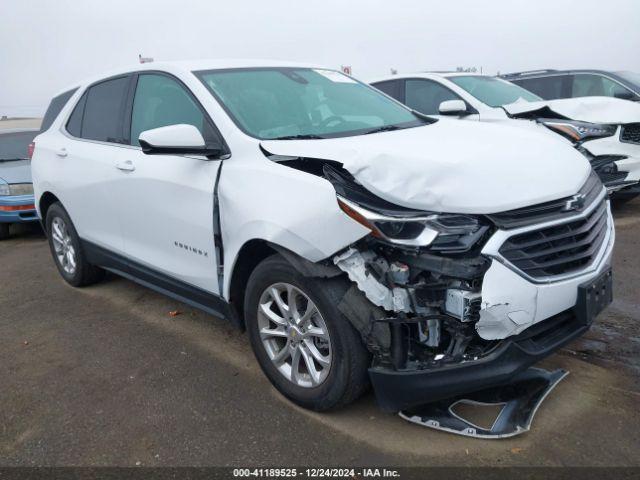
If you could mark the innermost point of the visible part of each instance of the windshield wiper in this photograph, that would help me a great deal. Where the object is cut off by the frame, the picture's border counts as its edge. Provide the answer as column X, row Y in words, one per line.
column 304, row 136
column 17, row 159
column 385, row 128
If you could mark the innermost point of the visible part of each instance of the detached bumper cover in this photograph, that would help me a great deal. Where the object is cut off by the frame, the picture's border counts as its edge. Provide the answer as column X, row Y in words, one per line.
column 518, row 402
column 402, row 389
column 18, row 209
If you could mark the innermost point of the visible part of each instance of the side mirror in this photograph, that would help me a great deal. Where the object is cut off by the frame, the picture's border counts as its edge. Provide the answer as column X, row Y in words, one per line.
column 176, row 140
column 453, row 107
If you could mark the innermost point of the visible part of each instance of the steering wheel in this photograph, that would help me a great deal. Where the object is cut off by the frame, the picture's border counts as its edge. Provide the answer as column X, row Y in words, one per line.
column 333, row 118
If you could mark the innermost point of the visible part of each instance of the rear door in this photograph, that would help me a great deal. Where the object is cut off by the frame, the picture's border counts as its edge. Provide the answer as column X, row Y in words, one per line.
column 85, row 162
column 168, row 200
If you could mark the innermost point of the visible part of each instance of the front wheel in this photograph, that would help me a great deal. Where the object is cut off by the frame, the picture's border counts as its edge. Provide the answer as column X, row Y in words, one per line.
column 303, row 343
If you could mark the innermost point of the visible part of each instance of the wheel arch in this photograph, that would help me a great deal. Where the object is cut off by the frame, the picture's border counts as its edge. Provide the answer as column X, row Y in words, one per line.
column 255, row 251
column 46, row 200
column 249, row 256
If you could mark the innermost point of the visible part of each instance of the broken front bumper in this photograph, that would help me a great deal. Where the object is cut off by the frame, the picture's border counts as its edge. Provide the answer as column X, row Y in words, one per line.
column 402, row 389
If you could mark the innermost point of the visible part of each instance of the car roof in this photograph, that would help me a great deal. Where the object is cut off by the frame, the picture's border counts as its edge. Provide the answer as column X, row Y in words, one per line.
column 431, row 75
column 187, row 66
column 551, row 71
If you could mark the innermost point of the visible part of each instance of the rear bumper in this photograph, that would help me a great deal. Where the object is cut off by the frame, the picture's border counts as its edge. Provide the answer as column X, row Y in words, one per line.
column 398, row 390
column 18, row 209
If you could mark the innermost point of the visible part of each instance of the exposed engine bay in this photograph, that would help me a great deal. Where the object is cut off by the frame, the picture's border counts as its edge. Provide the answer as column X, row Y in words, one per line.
column 429, row 298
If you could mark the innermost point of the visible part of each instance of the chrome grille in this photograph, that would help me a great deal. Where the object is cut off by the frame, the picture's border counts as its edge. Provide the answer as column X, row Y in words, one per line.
column 630, row 133
column 544, row 212
column 559, row 249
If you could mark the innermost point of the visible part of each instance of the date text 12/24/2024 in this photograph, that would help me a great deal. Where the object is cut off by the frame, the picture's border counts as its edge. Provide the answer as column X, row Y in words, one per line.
column 315, row 473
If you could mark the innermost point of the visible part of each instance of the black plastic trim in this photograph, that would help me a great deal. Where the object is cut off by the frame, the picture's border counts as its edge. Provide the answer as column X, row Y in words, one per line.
column 402, row 389
column 160, row 282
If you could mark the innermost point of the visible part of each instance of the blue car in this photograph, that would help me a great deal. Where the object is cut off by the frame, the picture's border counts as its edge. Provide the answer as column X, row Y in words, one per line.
column 16, row 188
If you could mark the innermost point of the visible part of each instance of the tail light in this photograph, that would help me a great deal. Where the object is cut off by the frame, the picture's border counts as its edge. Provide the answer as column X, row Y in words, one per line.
column 30, row 148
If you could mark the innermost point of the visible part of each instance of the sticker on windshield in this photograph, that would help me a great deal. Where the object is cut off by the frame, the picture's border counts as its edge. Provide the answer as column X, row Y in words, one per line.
column 335, row 76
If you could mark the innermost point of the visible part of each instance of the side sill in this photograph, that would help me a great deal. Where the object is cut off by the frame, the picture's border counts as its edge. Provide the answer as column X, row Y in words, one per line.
column 196, row 297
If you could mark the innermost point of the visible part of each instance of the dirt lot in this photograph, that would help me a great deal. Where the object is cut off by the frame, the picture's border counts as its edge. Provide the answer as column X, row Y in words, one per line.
column 105, row 376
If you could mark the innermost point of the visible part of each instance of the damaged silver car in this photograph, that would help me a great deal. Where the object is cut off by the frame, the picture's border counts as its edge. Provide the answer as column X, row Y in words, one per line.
column 358, row 242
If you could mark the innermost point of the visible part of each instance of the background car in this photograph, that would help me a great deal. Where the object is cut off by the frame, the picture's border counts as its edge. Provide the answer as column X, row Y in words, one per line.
column 606, row 130
column 16, row 187
column 552, row 84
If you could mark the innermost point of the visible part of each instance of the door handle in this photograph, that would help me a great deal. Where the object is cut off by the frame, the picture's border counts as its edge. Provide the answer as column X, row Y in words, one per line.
column 126, row 166
column 62, row 152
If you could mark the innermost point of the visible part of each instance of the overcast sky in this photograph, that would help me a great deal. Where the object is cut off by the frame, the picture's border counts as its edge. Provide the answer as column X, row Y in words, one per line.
column 46, row 45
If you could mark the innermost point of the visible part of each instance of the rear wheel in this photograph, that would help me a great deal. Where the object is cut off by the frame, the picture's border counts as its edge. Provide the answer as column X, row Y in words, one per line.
column 4, row 231
column 303, row 343
column 67, row 251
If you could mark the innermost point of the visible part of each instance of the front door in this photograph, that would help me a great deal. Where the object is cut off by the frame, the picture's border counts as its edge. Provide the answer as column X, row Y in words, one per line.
column 168, row 200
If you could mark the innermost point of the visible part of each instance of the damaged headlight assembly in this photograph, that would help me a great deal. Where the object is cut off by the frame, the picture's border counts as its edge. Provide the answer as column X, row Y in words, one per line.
column 579, row 131
column 439, row 232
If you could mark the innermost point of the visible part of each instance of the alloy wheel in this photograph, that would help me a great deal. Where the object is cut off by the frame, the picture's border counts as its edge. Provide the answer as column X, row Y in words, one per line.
column 294, row 335
column 63, row 246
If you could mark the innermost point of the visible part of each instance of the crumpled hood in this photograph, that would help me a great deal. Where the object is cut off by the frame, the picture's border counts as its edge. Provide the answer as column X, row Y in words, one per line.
column 16, row 171
column 585, row 109
column 452, row 166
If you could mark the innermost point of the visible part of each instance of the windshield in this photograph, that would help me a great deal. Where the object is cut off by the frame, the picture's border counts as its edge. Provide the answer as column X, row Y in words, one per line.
column 631, row 77
column 15, row 145
column 493, row 91
column 279, row 103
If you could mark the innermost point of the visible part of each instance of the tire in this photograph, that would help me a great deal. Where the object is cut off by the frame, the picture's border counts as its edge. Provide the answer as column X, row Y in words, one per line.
column 64, row 242
column 346, row 378
column 4, row 231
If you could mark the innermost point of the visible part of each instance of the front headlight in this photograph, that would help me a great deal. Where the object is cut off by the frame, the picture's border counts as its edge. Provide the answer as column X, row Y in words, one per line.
column 579, row 131
column 4, row 189
column 442, row 232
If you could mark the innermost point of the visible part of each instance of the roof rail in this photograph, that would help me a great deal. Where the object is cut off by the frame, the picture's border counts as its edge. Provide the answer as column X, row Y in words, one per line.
column 528, row 72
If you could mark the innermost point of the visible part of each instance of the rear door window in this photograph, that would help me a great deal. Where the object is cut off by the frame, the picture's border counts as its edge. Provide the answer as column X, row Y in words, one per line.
column 425, row 96
column 99, row 114
column 54, row 109
column 549, row 88
column 393, row 88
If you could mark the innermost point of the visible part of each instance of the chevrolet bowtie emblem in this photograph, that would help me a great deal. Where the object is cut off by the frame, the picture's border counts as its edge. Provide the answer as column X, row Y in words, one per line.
column 574, row 203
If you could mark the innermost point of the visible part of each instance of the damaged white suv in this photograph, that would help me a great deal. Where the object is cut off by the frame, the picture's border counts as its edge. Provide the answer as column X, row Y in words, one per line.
column 357, row 241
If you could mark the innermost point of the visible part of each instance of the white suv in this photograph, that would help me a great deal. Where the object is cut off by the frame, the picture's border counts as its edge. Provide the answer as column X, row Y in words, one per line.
column 606, row 130
column 357, row 241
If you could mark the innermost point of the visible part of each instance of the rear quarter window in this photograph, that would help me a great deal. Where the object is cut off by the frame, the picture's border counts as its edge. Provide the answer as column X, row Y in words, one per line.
column 54, row 109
